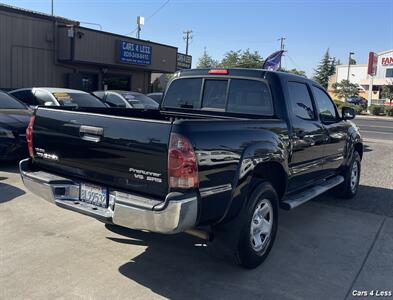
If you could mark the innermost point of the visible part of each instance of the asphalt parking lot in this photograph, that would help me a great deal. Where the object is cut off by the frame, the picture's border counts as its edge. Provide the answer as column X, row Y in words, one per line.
column 326, row 249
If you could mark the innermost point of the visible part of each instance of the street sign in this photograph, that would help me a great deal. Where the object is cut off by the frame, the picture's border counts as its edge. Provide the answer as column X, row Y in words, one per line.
column 372, row 64
column 183, row 61
column 135, row 54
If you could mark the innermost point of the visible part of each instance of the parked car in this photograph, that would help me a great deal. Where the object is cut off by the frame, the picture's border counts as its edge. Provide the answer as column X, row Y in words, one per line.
column 14, row 118
column 226, row 150
column 34, row 97
column 156, row 97
column 126, row 99
column 357, row 100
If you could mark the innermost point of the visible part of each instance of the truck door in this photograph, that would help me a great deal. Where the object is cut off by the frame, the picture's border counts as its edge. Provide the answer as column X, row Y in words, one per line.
column 336, row 129
column 308, row 137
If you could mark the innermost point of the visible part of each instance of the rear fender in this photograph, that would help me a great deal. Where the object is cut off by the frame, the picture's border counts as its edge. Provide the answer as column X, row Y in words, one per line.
column 255, row 158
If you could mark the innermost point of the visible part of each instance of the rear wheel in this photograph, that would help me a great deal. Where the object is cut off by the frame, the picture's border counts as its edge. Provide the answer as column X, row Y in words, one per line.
column 349, row 187
column 258, row 227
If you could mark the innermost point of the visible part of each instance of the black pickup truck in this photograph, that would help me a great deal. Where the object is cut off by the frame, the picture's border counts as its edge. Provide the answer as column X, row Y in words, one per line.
column 226, row 150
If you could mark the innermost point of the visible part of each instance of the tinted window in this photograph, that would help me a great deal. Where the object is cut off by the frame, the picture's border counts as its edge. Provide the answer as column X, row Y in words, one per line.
column 114, row 100
column 249, row 97
column 25, row 96
column 138, row 100
column 300, row 100
column 184, row 93
column 7, row 102
column 77, row 99
column 42, row 97
column 327, row 110
column 389, row 72
column 99, row 94
column 156, row 97
column 214, row 94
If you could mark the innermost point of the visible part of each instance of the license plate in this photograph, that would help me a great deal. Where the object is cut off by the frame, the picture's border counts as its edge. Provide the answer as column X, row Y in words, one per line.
column 93, row 194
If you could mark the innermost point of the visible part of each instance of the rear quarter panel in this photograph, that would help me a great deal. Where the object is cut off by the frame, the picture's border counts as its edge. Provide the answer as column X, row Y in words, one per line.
column 227, row 152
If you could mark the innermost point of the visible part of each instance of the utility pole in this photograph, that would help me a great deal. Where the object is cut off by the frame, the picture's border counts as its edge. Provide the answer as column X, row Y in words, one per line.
column 281, row 39
column 187, row 37
column 139, row 21
column 349, row 63
column 52, row 7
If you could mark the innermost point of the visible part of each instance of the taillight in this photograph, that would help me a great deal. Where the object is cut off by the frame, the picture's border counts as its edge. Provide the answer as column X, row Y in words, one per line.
column 29, row 136
column 182, row 163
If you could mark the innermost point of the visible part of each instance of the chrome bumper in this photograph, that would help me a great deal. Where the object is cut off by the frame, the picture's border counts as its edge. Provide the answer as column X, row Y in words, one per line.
column 176, row 214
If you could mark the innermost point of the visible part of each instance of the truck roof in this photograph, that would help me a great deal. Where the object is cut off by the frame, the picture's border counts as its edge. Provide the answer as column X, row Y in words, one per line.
column 244, row 72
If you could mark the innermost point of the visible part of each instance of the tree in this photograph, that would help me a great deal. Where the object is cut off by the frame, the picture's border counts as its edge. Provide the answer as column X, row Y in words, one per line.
column 344, row 89
column 294, row 71
column 241, row 59
column 325, row 69
column 206, row 61
column 387, row 92
column 352, row 61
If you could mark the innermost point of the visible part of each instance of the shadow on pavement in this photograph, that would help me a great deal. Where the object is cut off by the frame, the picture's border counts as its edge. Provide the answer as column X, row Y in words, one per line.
column 9, row 192
column 9, row 166
column 369, row 199
column 173, row 266
column 367, row 148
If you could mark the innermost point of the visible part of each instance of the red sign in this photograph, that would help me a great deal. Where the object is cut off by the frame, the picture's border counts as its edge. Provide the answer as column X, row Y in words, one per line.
column 372, row 63
column 387, row 61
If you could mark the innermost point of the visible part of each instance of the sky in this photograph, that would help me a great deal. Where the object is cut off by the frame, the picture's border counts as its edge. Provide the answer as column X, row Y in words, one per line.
column 309, row 27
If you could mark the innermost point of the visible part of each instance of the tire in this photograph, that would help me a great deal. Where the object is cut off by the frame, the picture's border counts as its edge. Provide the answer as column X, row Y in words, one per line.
column 349, row 187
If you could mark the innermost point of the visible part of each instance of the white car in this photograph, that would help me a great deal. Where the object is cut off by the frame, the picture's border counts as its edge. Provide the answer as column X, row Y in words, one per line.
column 42, row 96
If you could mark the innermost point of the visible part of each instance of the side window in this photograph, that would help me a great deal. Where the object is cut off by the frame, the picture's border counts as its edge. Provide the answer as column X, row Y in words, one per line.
column 249, row 97
column 25, row 96
column 214, row 94
column 300, row 101
column 327, row 110
column 114, row 100
column 42, row 97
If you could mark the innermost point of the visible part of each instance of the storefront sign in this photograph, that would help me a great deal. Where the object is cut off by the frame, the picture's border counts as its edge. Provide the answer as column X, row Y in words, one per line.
column 134, row 54
column 387, row 61
column 372, row 63
column 183, row 61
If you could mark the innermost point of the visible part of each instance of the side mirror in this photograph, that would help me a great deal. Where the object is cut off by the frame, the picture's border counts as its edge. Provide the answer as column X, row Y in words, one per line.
column 348, row 113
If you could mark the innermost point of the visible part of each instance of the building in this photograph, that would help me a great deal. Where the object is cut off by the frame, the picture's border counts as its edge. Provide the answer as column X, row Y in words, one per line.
column 37, row 49
column 358, row 75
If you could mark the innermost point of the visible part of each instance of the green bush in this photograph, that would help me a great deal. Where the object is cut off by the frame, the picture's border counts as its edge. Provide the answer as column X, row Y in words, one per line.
column 377, row 110
column 389, row 111
column 338, row 103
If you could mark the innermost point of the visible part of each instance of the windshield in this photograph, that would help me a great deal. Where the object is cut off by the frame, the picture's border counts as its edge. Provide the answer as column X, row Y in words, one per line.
column 140, row 101
column 77, row 99
column 8, row 102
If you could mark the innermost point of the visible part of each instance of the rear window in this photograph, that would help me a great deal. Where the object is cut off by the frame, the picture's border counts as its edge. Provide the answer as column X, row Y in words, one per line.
column 184, row 93
column 214, row 94
column 8, row 102
column 244, row 96
column 77, row 99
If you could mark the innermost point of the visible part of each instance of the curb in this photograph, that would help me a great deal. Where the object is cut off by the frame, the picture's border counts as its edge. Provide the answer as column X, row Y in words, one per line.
column 366, row 117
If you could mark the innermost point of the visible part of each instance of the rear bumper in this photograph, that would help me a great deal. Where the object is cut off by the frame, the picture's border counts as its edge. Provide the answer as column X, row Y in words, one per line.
column 176, row 214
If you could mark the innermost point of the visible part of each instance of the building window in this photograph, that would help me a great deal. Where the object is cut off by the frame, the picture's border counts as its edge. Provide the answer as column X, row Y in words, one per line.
column 389, row 72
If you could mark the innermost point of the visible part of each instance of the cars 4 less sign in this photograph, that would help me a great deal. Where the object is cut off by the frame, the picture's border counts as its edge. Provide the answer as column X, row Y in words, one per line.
column 136, row 54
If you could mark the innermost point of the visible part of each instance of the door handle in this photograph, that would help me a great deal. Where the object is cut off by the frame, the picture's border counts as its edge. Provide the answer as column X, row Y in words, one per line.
column 91, row 133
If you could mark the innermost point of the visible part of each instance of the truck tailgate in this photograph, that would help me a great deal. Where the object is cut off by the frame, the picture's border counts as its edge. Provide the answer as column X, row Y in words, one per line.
column 121, row 152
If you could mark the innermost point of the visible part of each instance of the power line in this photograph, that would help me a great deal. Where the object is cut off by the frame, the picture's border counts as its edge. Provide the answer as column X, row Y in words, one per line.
column 151, row 16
